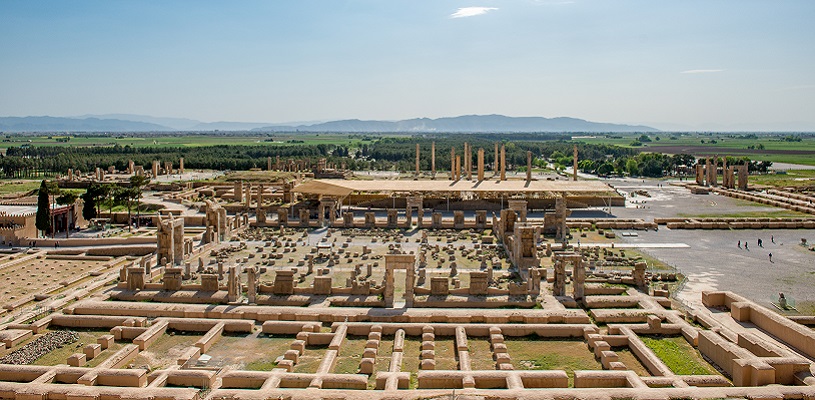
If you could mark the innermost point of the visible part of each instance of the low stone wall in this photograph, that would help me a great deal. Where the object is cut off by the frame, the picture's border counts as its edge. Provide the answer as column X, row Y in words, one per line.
column 736, row 223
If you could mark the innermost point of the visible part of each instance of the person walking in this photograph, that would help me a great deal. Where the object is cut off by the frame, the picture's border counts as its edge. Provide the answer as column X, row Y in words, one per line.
column 771, row 257
column 760, row 243
column 739, row 244
column 745, row 246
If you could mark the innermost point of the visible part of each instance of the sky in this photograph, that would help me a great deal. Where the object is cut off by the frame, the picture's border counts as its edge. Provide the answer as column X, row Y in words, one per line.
column 691, row 64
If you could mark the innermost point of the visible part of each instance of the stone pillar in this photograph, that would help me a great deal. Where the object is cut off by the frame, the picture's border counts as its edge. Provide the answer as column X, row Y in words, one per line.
column 479, row 284
column 155, row 168
column 559, row 286
column 248, row 204
column 458, row 219
column 468, row 162
column 480, row 165
column 714, row 172
column 251, row 283
column 574, row 164
column 304, row 222
column 393, row 218
column 528, row 166
column 480, row 219
column 452, row 163
column 238, row 189
column 495, row 161
column 433, row 159
column 436, row 220
column 181, row 165
column 370, row 219
column 578, row 277
column 731, row 177
column 232, row 284
column 282, row 216
column 743, row 173
column 503, row 162
column 417, row 159
column 639, row 275
column 135, row 278
column 269, row 163
column 458, row 168
column 725, row 182
column 708, row 176
column 70, row 174
column 131, row 167
column 260, row 196
column 700, row 174
column 420, row 217
column 348, row 220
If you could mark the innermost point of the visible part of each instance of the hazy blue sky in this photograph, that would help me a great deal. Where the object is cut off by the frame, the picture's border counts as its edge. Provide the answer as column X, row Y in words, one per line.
column 702, row 64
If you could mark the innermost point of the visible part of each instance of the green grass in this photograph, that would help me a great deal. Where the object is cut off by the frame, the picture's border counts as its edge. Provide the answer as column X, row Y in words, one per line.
column 18, row 186
column 536, row 353
column 793, row 178
column 726, row 144
column 678, row 355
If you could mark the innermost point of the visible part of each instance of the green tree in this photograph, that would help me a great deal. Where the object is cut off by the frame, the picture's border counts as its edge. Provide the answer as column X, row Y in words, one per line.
column 632, row 167
column 137, row 182
column 89, row 206
column 43, row 221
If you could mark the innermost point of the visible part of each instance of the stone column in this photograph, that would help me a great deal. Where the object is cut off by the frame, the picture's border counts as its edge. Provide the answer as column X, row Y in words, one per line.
column 495, row 161
column 155, row 168
column 528, row 166
column 433, row 159
column 251, row 283
column 574, row 164
column 453, row 164
column 578, row 277
column 559, row 286
column 410, row 282
column 458, row 168
column 248, row 197
column 417, row 159
column 260, row 196
column 468, row 162
column 389, row 288
column 714, row 175
column 231, row 284
column 639, row 275
column 700, row 175
column 503, row 162
column 725, row 182
column 707, row 171
column 181, row 165
column 480, row 165
column 743, row 172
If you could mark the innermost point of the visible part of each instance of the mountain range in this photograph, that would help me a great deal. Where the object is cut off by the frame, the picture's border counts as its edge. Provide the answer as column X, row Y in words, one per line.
column 466, row 123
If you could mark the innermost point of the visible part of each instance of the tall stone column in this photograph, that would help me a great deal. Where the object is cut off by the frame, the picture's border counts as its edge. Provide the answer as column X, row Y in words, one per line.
column 458, row 168
column 480, row 165
column 469, row 162
column 503, row 162
column 417, row 159
column 528, row 166
column 700, row 174
column 248, row 196
column 433, row 159
column 269, row 163
column 574, row 164
column 452, row 163
column 495, row 161
column 579, row 274
column 725, row 181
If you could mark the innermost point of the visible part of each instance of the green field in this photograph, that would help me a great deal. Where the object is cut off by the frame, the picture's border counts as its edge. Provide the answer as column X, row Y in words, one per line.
column 775, row 148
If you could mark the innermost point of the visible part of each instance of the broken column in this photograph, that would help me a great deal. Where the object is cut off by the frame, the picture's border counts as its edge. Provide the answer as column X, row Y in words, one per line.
column 528, row 166
column 452, row 163
column 743, row 172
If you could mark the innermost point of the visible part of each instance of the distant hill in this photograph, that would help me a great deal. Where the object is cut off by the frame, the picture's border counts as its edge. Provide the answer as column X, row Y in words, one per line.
column 466, row 123
column 58, row 124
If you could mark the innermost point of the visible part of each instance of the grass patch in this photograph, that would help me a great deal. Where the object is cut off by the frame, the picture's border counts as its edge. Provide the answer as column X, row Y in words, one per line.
column 536, row 353
column 18, row 186
column 678, row 355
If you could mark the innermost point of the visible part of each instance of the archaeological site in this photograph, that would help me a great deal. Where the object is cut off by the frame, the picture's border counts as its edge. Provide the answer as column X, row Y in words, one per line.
column 304, row 280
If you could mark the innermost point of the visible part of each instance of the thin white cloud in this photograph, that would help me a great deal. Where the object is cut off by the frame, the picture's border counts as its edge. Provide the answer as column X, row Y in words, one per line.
column 701, row 71
column 471, row 11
